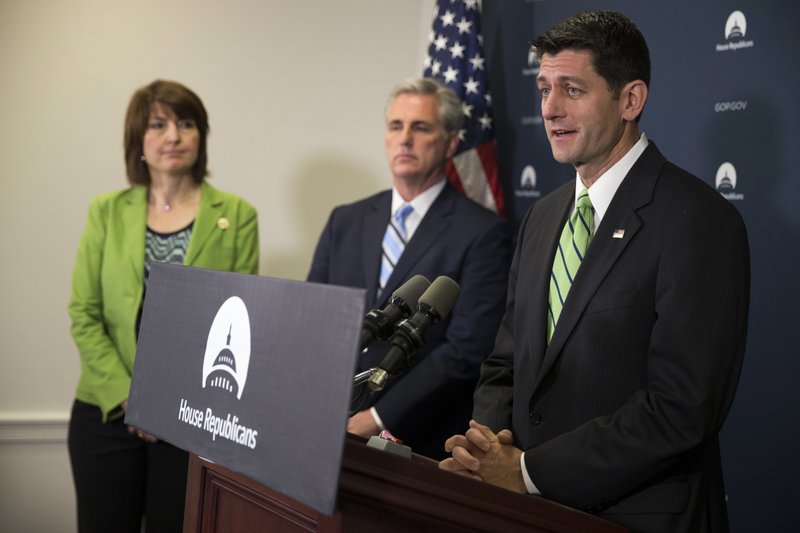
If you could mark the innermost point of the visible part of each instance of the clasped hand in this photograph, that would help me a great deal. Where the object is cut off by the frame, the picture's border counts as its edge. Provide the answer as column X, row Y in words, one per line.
column 486, row 456
column 139, row 433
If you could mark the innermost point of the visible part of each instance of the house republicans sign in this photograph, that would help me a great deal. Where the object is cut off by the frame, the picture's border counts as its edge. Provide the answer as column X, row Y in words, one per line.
column 249, row 372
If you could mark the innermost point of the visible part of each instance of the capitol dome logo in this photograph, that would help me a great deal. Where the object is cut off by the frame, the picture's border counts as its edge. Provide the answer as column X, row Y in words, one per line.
column 227, row 356
column 528, row 178
column 725, row 182
column 527, row 183
column 736, row 26
column 735, row 30
column 533, row 64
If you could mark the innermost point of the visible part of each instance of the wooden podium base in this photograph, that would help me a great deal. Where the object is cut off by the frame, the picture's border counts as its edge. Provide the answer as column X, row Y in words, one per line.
column 378, row 492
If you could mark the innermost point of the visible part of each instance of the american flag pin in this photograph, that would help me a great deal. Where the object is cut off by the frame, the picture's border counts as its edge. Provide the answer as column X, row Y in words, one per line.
column 618, row 233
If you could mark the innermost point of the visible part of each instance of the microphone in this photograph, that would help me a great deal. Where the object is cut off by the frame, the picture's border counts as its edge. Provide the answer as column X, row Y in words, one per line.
column 379, row 323
column 434, row 305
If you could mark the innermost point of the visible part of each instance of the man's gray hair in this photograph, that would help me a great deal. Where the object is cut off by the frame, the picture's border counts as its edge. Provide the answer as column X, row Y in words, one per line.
column 451, row 115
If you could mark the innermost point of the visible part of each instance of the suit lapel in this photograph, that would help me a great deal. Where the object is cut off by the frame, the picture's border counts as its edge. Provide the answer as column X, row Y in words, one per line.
column 134, row 228
column 373, row 228
column 635, row 191
column 545, row 232
column 208, row 216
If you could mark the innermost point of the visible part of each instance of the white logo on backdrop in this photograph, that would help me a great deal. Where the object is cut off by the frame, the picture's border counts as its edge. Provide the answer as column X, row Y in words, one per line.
column 527, row 183
column 528, row 178
column 531, row 120
column 533, row 66
column 736, row 26
column 531, row 69
column 733, row 105
column 726, row 181
column 227, row 356
column 735, row 30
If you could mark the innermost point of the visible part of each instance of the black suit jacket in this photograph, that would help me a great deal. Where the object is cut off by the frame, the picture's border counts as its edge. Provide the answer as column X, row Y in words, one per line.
column 457, row 238
column 620, row 415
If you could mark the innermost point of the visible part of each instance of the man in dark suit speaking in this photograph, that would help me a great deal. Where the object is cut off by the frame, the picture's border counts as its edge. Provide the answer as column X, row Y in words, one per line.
column 422, row 226
column 620, row 351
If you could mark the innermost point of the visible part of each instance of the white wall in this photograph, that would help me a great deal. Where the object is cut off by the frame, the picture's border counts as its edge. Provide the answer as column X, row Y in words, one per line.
column 295, row 92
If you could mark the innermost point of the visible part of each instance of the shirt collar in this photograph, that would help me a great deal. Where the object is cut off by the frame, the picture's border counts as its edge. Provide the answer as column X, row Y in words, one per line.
column 421, row 203
column 603, row 190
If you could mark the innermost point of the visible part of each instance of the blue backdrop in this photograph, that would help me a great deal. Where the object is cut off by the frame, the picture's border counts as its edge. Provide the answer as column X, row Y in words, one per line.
column 724, row 105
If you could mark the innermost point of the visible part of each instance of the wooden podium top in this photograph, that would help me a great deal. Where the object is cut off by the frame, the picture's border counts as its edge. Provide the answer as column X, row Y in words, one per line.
column 378, row 491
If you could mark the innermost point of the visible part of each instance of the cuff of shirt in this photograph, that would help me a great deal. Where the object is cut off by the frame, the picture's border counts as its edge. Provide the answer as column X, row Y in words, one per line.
column 377, row 418
column 527, row 478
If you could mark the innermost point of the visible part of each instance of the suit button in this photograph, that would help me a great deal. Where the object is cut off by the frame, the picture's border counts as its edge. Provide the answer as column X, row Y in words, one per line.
column 536, row 418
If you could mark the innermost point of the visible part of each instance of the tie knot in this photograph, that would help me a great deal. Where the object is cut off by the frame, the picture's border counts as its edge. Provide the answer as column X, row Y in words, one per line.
column 403, row 212
column 583, row 200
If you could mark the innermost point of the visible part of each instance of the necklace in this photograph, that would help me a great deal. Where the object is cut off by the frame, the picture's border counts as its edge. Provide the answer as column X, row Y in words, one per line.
column 167, row 206
column 182, row 197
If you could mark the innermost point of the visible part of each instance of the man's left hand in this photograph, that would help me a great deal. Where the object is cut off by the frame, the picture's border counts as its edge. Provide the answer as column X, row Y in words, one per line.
column 486, row 455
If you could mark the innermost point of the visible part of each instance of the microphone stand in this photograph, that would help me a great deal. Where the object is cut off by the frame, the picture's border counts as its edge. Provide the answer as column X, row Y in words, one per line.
column 364, row 376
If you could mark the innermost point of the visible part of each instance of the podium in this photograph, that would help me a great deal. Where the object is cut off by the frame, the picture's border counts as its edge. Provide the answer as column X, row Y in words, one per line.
column 380, row 492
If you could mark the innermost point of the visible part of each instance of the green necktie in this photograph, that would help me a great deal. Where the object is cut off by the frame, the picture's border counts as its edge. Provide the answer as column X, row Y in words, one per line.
column 571, row 248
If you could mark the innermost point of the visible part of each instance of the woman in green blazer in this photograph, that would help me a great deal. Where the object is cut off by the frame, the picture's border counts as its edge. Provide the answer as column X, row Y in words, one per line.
column 168, row 214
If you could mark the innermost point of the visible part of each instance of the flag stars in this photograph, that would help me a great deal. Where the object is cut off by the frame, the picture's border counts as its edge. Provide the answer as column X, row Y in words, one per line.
column 464, row 26
column 457, row 50
column 448, row 19
column 457, row 60
column 450, row 75
column 477, row 62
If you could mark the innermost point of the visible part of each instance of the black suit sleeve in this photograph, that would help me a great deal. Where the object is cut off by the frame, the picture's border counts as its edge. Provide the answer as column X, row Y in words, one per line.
column 494, row 396
column 319, row 272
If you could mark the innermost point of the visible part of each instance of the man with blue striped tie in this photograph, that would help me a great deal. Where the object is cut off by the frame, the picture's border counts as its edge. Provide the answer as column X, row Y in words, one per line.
column 422, row 226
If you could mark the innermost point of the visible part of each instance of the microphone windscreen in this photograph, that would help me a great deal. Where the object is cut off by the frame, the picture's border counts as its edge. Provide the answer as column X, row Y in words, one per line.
column 441, row 296
column 411, row 290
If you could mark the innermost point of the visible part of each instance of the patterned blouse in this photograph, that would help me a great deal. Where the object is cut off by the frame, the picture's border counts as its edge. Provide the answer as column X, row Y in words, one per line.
column 166, row 248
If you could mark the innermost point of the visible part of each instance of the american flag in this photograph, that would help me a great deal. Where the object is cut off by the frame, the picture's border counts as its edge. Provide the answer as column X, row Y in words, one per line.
column 455, row 58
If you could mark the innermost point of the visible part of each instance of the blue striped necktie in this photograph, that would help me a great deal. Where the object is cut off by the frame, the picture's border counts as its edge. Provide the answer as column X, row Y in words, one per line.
column 394, row 242
column 572, row 247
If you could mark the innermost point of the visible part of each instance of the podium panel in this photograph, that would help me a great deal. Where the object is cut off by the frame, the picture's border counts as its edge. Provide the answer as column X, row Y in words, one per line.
column 377, row 492
column 249, row 371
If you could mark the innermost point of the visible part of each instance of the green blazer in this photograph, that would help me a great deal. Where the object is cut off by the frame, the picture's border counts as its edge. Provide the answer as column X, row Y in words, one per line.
column 108, row 279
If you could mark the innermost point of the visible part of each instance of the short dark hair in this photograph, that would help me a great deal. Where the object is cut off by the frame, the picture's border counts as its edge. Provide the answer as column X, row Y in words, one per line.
column 618, row 49
column 184, row 103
